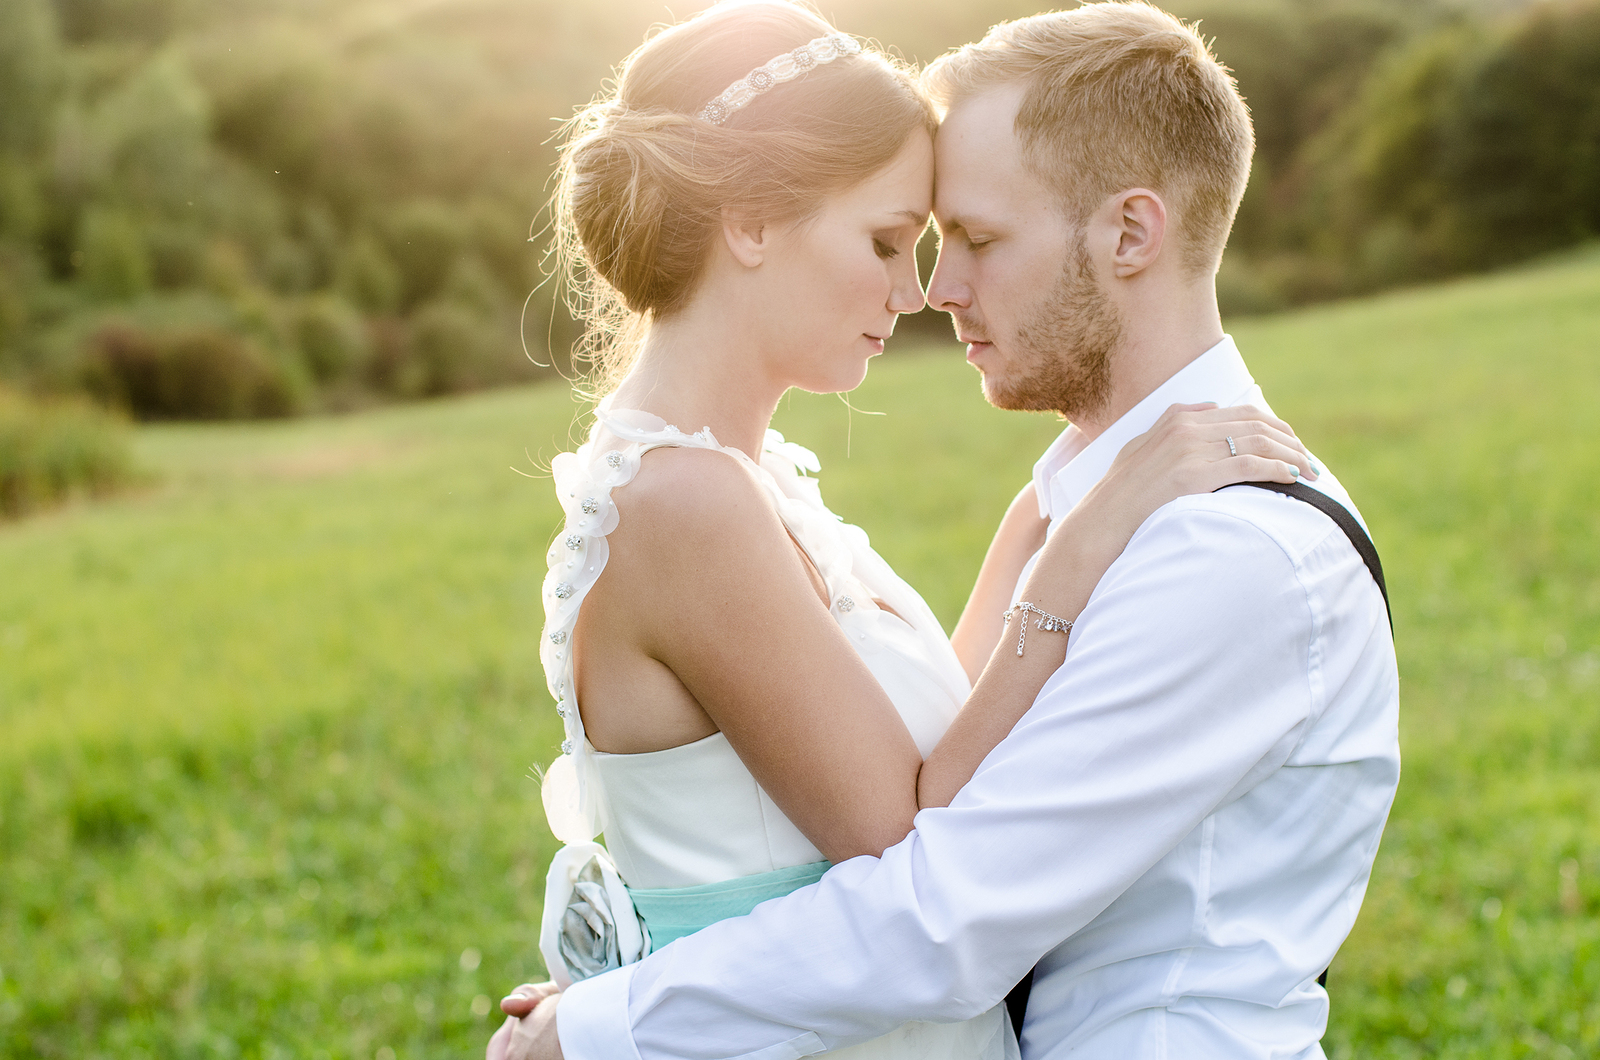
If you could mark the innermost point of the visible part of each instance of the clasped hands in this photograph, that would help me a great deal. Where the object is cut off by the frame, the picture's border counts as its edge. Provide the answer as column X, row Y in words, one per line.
column 529, row 1032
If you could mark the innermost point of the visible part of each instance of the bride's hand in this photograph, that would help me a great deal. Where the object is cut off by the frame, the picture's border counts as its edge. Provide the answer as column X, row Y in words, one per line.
column 1188, row 452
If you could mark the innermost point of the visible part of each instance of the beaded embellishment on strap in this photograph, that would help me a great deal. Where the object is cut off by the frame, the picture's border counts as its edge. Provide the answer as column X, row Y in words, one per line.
column 785, row 67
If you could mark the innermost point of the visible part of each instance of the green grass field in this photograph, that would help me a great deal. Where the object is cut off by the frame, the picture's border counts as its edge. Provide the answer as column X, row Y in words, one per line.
column 267, row 728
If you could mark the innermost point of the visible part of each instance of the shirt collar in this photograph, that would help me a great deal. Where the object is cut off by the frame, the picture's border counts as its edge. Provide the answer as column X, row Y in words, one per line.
column 1074, row 463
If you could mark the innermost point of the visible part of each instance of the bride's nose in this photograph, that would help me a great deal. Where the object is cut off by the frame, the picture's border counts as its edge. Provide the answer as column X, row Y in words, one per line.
column 906, row 295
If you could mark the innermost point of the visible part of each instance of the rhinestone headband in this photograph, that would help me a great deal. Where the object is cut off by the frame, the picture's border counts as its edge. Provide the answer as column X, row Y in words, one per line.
column 785, row 67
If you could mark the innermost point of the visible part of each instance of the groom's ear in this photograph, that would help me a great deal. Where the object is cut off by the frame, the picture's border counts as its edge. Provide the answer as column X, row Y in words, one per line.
column 1140, row 222
column 748, row 238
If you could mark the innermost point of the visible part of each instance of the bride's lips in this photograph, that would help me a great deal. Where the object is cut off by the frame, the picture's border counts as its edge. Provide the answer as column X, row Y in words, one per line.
column 877, row 343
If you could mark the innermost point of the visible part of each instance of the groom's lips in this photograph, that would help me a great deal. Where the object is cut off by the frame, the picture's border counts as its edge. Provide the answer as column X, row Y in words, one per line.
column 975, row 346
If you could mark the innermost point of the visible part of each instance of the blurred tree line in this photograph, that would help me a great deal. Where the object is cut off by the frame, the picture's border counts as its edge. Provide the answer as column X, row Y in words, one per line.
column 264, row 207
column 258, row 208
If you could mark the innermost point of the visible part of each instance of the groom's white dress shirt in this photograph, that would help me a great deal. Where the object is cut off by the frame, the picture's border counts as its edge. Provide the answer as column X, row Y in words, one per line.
column 1179, row 831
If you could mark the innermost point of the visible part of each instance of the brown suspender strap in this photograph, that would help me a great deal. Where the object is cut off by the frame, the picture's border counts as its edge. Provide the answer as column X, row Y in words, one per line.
column 1345, row 521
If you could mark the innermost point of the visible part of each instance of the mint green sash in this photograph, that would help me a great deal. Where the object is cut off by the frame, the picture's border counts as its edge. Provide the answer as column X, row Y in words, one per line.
column 673, row 912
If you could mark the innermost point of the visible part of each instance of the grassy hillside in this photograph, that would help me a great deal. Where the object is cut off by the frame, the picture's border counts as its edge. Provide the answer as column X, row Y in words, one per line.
column 266, row 729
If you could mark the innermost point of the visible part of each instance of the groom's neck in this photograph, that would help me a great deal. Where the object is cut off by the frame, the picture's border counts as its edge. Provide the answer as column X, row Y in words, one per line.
column 1162, row 332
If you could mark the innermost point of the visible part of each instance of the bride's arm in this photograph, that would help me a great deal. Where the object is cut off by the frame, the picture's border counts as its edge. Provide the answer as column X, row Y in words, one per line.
column 1181, row 455
column 704, row 579
column 1078, row 554
column 1020, row 535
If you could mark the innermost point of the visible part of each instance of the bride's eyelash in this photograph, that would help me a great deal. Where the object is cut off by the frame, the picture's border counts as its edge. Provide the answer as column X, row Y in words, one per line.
column 885, row 250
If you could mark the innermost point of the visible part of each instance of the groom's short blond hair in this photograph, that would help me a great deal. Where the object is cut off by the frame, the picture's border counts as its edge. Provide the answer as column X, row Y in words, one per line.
column 1119, row 95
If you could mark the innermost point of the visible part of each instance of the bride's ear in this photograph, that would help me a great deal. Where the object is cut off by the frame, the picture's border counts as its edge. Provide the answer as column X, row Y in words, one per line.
column 748, row 238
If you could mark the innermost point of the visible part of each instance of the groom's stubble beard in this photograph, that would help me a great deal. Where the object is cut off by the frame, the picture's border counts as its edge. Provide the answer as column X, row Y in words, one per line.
column 1064, row 347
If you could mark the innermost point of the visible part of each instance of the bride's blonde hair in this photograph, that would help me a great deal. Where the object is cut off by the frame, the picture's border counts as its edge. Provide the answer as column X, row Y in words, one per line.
column 643, row 180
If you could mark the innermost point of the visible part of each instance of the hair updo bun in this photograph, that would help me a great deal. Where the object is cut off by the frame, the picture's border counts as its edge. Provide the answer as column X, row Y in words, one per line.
column 643, row 180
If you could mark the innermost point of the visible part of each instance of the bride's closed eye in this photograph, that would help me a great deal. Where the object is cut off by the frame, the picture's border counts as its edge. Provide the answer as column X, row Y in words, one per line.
column 885, row 249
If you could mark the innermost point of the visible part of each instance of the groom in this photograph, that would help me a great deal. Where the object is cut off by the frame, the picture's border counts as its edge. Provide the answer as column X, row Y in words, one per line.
column 1176, row 838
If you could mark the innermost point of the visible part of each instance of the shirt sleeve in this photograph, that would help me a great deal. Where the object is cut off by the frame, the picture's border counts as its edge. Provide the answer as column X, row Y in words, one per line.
column 1187, row 681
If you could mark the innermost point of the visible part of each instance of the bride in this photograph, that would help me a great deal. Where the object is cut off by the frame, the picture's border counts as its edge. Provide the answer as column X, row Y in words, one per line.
column 749, row 692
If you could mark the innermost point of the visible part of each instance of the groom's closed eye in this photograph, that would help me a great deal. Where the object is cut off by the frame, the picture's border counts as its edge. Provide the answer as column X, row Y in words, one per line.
column 956, row 230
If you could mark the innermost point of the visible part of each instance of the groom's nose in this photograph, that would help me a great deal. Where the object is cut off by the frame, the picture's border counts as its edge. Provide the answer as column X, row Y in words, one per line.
column 947, row 292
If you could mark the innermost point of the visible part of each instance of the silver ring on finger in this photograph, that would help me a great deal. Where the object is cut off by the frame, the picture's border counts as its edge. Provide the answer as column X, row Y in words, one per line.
column 1233, row 450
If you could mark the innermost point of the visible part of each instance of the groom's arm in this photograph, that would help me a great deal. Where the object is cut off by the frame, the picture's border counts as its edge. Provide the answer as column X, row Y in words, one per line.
column 1187, row 681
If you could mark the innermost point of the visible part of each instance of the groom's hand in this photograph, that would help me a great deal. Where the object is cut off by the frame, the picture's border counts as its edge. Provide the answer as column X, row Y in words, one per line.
column 529, row 1032
column 525, row 998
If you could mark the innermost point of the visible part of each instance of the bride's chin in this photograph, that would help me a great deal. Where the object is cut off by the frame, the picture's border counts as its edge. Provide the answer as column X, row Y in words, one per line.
column 854, row 381
column 836, row 382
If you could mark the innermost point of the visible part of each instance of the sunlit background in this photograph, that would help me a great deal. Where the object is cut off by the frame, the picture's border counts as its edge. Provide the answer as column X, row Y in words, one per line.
column 273, row 335
column 217, row 209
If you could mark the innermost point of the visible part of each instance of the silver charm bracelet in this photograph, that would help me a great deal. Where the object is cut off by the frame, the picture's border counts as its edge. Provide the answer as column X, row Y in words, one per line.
column 1046, row 621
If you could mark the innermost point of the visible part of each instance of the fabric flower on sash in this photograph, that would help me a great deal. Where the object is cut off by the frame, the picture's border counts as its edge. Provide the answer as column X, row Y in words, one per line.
column 589, row 924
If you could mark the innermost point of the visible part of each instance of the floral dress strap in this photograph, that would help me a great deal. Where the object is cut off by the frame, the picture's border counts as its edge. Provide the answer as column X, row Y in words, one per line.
column 584, row 482
column 589, row 922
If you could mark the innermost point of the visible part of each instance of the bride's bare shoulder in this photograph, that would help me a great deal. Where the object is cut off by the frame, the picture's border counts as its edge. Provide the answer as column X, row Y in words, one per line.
column 686, row 499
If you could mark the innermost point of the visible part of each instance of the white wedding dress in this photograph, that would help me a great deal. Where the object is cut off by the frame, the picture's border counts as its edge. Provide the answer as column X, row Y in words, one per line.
column 693, row 814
